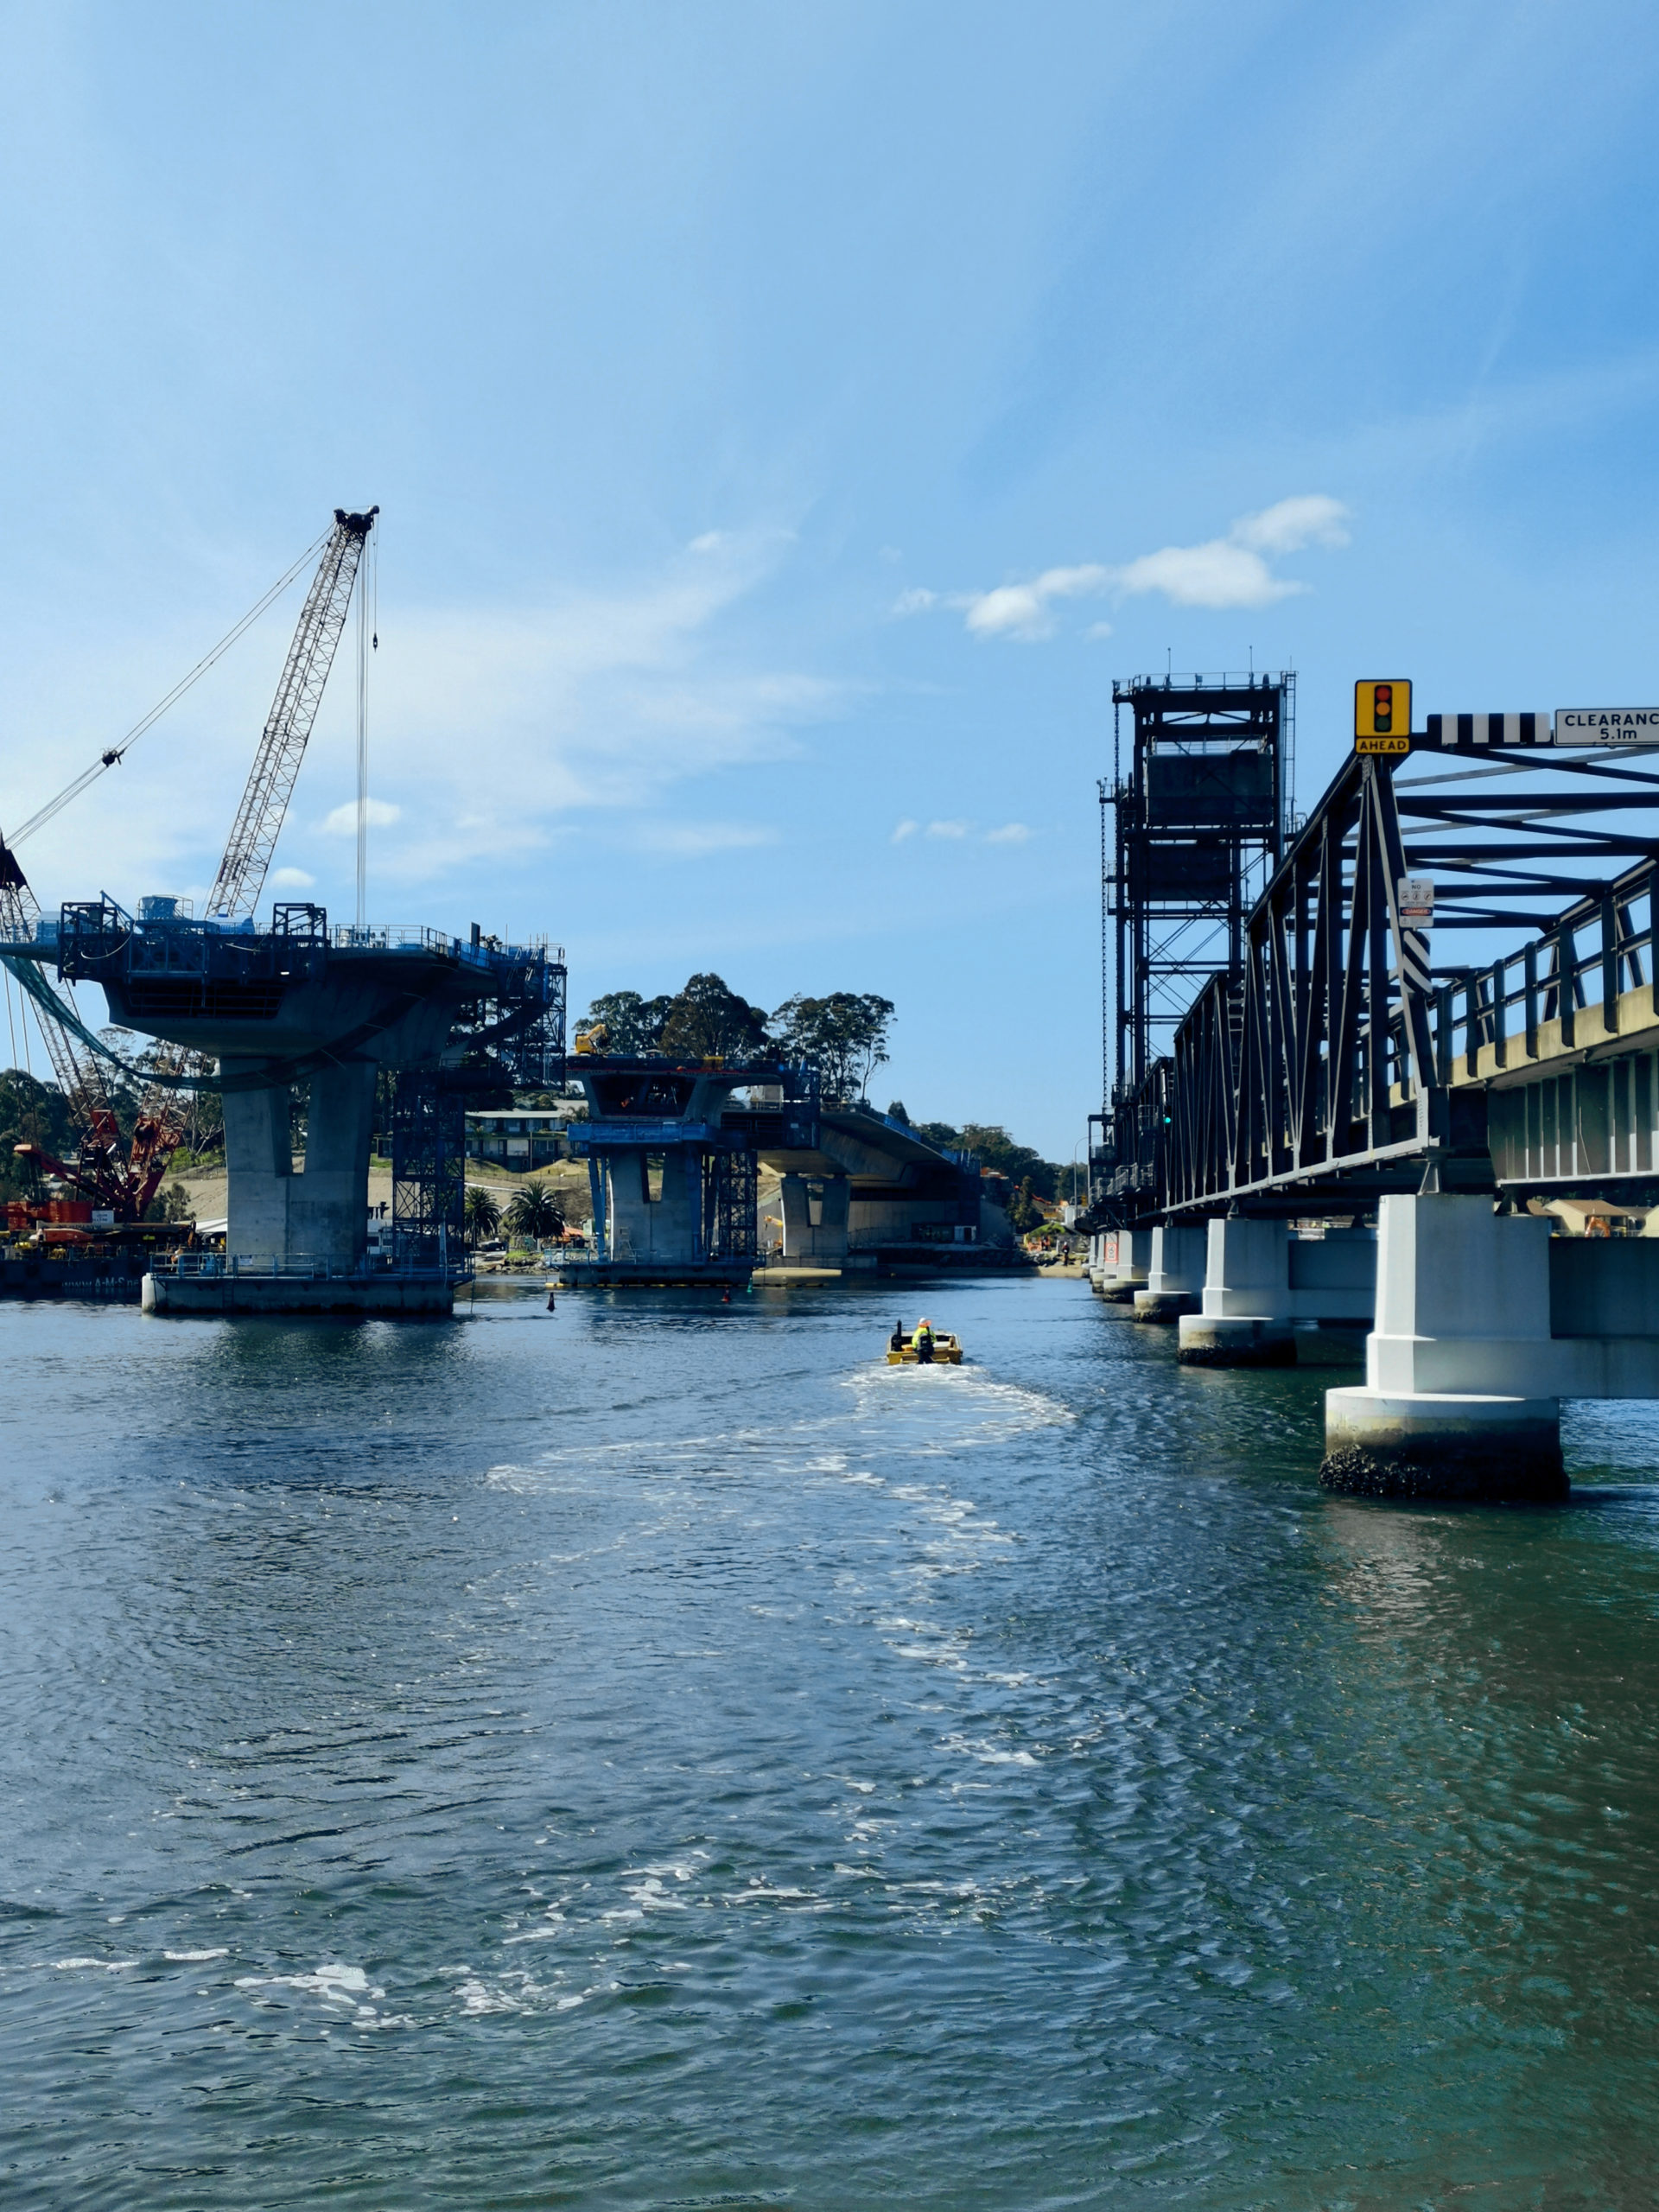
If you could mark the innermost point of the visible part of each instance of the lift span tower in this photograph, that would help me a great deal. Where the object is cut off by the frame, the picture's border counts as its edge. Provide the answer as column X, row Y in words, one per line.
column 298, row 1004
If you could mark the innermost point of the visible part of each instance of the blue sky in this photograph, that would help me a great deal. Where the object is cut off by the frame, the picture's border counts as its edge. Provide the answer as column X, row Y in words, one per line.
column 787, row 420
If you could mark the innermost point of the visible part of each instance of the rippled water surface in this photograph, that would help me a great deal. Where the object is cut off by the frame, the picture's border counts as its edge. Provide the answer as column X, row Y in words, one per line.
column 654, row 1755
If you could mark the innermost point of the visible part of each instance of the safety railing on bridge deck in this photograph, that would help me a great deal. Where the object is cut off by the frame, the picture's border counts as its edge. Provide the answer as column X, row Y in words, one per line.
column 1494, row 1016
column 410, row 936
column 299, row 1268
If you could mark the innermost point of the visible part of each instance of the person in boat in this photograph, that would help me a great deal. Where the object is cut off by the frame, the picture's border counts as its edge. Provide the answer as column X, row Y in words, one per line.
column 896, row 1341
column 924, row 1343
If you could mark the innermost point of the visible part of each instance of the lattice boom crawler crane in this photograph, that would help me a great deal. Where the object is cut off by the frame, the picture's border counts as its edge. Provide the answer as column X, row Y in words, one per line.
column 122, row 1181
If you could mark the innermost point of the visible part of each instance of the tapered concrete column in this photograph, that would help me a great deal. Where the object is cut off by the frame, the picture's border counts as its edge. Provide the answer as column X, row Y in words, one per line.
column 1245, row 1315
column 323, row 1211
column 815, row 1209
column 1175, row 1274
column 1127, row 1263
column 1460, row 1365
column 663, row 1229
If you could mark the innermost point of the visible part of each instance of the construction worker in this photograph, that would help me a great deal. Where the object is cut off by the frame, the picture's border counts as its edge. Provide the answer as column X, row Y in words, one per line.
column 924, row 1341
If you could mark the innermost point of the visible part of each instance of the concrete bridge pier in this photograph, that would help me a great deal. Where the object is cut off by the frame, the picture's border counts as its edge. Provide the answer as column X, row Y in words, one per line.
column 1461, row 1367
column 1245, row 1314
column 649, row 1209
column 1273, row 1299
column 321, row 1212
column 816, row 1210
column 1126, row 1263
column 1175, row 1274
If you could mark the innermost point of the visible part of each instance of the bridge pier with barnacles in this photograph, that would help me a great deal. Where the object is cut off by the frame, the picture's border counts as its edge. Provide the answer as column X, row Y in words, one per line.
column 1368, row 1137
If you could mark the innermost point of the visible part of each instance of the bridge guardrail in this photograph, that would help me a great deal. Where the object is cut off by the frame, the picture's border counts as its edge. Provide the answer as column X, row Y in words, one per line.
column 298, row 1268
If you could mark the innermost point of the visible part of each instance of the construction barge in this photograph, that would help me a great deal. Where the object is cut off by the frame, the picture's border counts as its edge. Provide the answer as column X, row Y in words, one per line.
column 55, row 1250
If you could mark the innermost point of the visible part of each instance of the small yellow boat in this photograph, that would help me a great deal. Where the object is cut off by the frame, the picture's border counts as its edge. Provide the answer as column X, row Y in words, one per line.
column 947, row 1352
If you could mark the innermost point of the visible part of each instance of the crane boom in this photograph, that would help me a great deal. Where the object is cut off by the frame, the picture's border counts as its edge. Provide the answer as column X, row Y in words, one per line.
column 241, row 875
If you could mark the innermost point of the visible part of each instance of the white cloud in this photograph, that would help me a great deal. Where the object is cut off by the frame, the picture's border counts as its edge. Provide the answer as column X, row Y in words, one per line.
column 1222, row 572
column 947, row 828
column 905, row 828
column 289, row 879
column 1011, row 833
column 693, row 840
column 1217, row 574
column 1027, row 610
column 342, row 821
column 1230, row 571
column 1309, row 519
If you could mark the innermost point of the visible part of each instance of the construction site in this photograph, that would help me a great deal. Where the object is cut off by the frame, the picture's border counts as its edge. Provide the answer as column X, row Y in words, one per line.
column 342, row 1055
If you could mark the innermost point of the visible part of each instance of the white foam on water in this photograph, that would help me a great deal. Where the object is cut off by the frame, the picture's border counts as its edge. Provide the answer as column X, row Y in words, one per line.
column 334, row 1984
column 987, row 1754
column 785, row 1897
column 103, row 1966
column 650, row 1896
column 477, row 1997
column 193, row 1958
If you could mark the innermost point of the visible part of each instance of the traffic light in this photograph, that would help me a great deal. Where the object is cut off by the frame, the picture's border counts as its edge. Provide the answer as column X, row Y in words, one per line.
column 1383, row 715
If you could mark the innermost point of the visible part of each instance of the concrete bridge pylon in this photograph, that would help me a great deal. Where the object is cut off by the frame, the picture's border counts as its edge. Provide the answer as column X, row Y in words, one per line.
column 299, row 1003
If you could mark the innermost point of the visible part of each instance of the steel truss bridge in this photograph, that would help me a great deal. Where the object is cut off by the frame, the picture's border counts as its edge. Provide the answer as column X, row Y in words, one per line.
column 1341, row 1057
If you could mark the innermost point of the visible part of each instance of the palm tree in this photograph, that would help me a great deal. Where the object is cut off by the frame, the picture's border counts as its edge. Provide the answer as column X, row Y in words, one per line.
column 535, row 1212
column 481, row 1214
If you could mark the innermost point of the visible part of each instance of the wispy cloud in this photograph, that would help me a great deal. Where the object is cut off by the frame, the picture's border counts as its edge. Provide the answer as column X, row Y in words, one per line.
column 341, row 820
column 1011, row 833
column 905, row 828
column 947, row 829
column 601, row 700
column 1232, row 571
column 1027, row 610
column 289, row 879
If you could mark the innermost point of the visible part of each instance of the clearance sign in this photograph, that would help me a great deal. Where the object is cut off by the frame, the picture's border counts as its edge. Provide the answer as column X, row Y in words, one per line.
column 1383, row 715
column 1607, row 725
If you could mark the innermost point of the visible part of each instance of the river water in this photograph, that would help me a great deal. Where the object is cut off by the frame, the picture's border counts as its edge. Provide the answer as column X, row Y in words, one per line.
column 655, row 1755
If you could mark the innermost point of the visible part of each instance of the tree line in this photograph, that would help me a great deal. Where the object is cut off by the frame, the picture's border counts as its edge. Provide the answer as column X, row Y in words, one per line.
column 843, row 1035
column 1030, row 1177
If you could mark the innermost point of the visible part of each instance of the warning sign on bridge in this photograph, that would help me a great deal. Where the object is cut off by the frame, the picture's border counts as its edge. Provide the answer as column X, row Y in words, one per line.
column 1383, row 715
column 1417, row 899
column 1607, row 726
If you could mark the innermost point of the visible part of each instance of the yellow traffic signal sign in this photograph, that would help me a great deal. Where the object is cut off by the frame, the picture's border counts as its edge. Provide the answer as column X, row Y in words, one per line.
column 1383, row 715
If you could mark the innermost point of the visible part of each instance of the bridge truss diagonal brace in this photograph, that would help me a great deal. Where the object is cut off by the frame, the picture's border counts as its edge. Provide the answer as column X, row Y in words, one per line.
column 1317, row 1056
